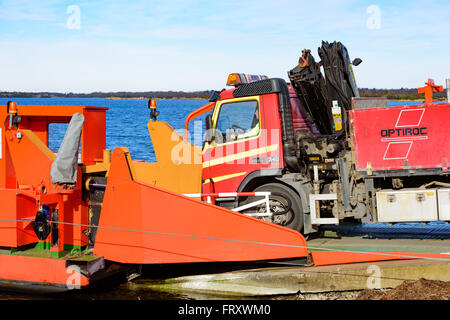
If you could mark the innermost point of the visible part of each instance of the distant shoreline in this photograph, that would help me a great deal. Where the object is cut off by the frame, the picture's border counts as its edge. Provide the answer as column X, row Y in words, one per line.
column 156, row 98
column 159, row 95
column 388, row 94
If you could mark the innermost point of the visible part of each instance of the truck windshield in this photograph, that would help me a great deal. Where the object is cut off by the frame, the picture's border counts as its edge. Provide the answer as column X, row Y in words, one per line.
column 238, row 120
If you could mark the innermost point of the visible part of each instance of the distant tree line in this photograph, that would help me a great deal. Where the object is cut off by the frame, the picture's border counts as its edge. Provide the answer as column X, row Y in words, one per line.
column 392, row 94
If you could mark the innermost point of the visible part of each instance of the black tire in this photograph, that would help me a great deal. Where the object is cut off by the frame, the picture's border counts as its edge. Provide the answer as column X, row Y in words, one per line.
column 284, row 201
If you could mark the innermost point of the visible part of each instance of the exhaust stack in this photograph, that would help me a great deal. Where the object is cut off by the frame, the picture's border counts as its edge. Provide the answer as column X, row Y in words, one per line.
column 448, row 90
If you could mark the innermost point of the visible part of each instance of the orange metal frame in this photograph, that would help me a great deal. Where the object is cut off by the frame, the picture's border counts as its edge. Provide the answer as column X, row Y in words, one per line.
column 429, row 89
column 25, row 163
column 194, row 114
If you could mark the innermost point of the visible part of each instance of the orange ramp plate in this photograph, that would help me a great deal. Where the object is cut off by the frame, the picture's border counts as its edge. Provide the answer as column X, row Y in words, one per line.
column 323, row 258
column 143, row 224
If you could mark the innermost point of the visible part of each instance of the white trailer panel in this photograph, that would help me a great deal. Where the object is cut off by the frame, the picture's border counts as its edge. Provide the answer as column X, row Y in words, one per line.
column 407, row 205
column 444, row 204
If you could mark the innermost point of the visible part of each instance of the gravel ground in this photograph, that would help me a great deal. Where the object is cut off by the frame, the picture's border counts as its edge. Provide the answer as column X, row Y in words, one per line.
column 409, row 290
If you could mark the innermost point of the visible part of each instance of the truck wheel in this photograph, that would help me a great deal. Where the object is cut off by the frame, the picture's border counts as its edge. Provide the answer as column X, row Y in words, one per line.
column 285, row 204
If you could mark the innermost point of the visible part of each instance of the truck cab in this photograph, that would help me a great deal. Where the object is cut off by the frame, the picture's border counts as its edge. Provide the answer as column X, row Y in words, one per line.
column 248, row 147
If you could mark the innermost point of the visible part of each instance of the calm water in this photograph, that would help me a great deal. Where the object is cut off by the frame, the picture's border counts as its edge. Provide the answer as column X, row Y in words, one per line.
column 126, row 125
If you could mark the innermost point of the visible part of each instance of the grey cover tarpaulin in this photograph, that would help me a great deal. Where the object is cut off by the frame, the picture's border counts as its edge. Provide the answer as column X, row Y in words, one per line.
column 64, row 168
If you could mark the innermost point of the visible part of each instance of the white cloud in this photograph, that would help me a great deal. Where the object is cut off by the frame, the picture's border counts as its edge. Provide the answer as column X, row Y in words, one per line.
column 42, row 10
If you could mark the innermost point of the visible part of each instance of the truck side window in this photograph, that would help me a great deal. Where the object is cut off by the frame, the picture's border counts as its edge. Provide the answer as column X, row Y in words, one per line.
column 238, row 120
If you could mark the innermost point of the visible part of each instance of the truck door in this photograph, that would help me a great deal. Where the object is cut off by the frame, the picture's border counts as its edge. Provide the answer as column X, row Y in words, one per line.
column 240, row 144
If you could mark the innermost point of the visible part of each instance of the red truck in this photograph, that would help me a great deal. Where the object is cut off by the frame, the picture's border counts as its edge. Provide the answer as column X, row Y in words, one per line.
column 325, row 154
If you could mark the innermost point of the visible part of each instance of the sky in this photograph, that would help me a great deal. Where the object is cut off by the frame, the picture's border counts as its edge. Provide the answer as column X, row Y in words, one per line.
column 86, row 46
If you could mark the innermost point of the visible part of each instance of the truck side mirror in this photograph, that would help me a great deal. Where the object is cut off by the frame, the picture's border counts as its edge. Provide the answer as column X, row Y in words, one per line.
column 356, row 62
column 209, row 135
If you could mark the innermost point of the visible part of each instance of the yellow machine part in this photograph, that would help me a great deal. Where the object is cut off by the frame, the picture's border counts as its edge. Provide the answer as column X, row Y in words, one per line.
column 179, row 163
